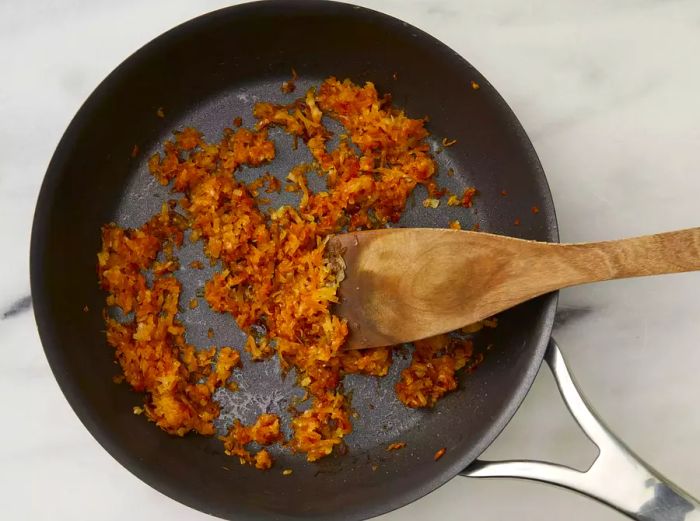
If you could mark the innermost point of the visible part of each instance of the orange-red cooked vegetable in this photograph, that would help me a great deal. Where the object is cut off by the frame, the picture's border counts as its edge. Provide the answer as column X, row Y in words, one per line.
column 273, row 273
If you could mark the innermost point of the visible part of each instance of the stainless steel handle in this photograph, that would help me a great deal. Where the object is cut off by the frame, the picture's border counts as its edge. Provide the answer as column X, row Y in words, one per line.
column 617, row 477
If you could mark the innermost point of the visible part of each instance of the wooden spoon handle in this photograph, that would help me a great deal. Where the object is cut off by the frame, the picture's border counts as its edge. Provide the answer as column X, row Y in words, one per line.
column 572, row 264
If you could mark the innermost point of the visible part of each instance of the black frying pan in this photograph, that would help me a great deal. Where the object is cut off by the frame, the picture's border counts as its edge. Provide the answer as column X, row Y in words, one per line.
column 204, row 73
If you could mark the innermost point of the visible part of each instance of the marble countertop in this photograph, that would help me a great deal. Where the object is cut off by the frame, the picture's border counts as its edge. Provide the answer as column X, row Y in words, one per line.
column 608, row 92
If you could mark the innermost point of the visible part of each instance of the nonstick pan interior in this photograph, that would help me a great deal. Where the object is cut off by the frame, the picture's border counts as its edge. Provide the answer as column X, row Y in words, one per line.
column 203, row 74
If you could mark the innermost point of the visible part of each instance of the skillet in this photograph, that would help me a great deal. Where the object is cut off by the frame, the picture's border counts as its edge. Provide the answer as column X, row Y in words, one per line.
column 204, row 73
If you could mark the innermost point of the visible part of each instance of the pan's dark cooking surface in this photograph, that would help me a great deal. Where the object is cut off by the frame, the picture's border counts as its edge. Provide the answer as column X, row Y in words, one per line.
column 203, row 74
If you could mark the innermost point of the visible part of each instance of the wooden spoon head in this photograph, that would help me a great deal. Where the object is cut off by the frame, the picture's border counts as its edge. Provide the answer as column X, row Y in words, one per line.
column 405, row 284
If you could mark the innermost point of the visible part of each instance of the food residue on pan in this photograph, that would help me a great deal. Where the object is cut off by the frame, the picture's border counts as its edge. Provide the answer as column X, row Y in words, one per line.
column 481, row 324
column 396, row 446
column 431, row 202
column 273, row 274
column 439, row 454
column 468, row 197
column 289, row 86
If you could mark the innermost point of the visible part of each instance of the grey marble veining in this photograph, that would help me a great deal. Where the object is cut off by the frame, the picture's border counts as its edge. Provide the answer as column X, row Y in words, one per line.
column 608, row 92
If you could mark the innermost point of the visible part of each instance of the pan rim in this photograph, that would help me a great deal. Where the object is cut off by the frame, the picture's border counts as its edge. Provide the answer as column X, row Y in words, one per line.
column 44, row 321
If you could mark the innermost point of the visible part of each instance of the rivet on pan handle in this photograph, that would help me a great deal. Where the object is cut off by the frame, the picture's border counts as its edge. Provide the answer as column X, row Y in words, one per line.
column 617, row 477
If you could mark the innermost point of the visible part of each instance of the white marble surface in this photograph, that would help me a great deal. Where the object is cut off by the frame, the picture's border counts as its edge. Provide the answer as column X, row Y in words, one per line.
column 608, row 91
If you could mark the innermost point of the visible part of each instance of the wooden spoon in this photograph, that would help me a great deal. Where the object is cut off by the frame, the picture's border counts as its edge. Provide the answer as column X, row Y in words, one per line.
column 404, row 284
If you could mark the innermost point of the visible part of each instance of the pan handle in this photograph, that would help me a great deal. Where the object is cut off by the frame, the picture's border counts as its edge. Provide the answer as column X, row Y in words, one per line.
column 617, row 477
